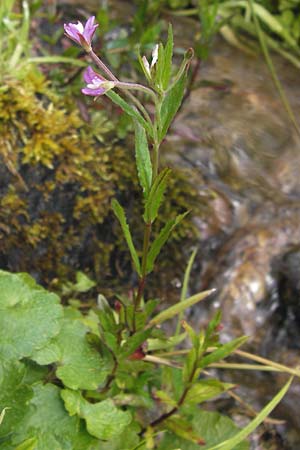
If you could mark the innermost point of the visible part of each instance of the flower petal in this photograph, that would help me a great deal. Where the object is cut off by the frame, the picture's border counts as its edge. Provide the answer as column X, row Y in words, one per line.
column 81, row 34
column 72, row 32
column 90, row 75
column 90, row 29
column 93, row 92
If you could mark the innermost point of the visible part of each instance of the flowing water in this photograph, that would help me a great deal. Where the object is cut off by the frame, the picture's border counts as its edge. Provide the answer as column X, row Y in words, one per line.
column 235, row 133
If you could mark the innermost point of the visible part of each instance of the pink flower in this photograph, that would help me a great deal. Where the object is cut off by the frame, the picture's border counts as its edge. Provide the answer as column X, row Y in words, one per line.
column 81, row 34
column 95, row 84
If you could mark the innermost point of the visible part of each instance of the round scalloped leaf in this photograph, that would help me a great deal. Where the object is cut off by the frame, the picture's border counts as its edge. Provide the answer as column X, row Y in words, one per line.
column 29, row 316
column 48, row 424
column 103, row 420
column 80, row 366
column 14, row 395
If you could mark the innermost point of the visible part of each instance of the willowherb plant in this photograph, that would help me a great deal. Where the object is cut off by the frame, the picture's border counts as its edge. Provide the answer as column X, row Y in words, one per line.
column 112, row 378
column 165, row 89
column 166, row 92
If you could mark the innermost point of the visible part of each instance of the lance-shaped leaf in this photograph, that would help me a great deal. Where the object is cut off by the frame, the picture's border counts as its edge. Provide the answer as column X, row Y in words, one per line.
column 143, row 160
column 145, row 66
column 222, row 352
column 161, row 239
column 103, row 419
column 205, row 390
column 168, row 55
column 163, row 65
column 171, row 104
column 120, row 214
column 174, row 95
column 159, row 66
column 163, row 344
column 181, row 306
column 156, row 195
column 131, row 111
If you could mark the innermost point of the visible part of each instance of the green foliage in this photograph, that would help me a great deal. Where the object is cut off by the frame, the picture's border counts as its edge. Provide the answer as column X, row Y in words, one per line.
column 79, row 365
column 156, row 195
column 233, row 19
column 161, row 239
column 211, row 426
column 21, row 303
column 46, row 424
column 278, row 24
column 74, row 390
column 14, row 395
column 131, row 111
column 143, row 160
column 120, row 214
column 103, row 419
column 74, row 380
column 16, row 41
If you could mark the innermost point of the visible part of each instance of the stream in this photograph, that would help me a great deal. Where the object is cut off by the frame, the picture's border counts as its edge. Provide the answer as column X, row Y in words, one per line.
column 236, row 135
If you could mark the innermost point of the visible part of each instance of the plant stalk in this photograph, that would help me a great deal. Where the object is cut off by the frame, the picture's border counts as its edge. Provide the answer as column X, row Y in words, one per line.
column 142, row 282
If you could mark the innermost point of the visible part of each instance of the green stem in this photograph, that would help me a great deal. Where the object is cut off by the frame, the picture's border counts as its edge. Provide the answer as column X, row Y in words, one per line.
column 156, row 130
column 180, row 402
column 142, row 282
column 155, row 160
column 123, row 85
column 185, row 288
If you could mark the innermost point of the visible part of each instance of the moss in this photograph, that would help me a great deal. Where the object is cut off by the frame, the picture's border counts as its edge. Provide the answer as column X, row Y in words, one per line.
column 58, row 177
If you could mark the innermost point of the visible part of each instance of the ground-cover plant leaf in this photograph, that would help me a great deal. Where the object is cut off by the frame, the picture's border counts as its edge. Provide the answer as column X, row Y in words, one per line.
column 29, row 444
column 30, row 316
column 48, row 422
column 80, row 366
column 82, row 284
column 143, row 160
column 211, row 426
column 120, row 214
column 103, row 419
column 127, row 440
column 14, row 395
